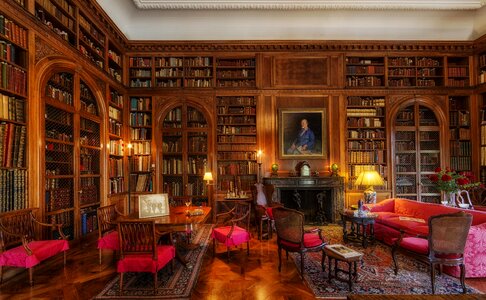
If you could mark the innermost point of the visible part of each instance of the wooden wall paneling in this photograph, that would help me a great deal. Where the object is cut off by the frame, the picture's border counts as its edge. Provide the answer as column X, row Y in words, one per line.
column 337, row 71
column 337, row 133
column 301, row 71
column 266, row 127
column 265, row 70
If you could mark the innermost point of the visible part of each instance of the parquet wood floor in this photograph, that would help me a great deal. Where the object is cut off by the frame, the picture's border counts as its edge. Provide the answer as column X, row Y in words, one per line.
column 254, row 277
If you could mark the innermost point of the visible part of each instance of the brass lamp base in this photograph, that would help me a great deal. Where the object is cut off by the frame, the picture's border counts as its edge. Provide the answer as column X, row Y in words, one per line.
column 370, row 195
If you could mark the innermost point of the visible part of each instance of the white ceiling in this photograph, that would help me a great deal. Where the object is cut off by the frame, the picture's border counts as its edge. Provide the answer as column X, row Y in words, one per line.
column 459, row 20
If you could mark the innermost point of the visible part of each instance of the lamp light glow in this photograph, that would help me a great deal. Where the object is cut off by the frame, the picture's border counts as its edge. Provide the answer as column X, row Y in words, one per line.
column 369, row 178
column 208, row 176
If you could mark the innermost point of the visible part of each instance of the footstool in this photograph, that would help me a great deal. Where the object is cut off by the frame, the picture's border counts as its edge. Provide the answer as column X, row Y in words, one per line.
column 338, row 253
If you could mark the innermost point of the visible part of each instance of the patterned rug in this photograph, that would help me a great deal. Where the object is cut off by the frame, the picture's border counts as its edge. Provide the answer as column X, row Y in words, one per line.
column 176, row 286
column 375, row 274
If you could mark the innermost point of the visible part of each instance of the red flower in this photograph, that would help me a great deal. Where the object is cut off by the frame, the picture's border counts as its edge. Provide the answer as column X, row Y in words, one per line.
column 438, row 170
column 446, row 177
column 434, row 178
column 462, row 181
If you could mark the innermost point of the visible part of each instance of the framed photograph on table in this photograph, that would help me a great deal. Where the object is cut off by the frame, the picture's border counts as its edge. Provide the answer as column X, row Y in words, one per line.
column 302, row 133
column 153, row 205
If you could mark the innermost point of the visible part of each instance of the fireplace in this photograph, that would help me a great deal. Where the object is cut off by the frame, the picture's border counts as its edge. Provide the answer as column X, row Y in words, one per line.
column 319, row 198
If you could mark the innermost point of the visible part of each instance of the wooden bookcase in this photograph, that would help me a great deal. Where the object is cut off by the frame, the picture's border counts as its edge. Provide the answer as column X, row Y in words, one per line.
column 169, row 71
column 366, row 138
column 184, row 71
column 116, row 148
column 13, row 115
column 364, row 72
column 92, row 42
column 236, row 143
column 416, row 153
column 198, row 72
column 140, row 72
column 185, row 136
column 482, row 68
column 235, row 72
column 72, row 155
column 458, row 71
column 460, row 134
column 140, row 156
column 115, row 62
column 415, row 71
column 60, row 17
column 482, row 128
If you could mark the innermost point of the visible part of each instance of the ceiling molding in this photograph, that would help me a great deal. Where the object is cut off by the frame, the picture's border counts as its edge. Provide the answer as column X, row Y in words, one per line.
column 311, row 4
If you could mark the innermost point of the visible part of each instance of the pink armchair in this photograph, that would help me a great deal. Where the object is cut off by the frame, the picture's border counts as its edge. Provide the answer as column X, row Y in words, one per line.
column 19, row 245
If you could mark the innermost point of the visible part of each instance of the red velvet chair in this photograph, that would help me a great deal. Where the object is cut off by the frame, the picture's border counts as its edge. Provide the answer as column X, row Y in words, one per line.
column 233, row 227
column 19, row 245
column 292, row 237
column 262, row 197
column 107, row 234
column 444, row 245
column 139, row 251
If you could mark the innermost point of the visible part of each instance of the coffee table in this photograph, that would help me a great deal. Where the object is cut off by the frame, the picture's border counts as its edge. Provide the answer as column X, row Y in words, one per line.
column 362, row 227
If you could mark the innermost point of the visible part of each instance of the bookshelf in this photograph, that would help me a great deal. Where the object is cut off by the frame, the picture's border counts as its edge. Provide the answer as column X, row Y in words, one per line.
column 366, row 138
column 59, row 16
column 116, row 145
column 415, row 71
column 91, row 41
column 72, row 155
column 458, row 71
column 169, row 71
column 416, row 153
column 185, row 153
column 236, row 143
column 482, row 128
column 140, row 156
column 236, row 72
column 460, row 134
column 13, row 112
column 198, row 72
column 365, row 71
column 482, row 68
column 115, row 62
column 140, row 72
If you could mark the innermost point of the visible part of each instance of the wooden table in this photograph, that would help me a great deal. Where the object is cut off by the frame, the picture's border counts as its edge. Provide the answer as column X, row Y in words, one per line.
column 177, row 221
column 359, row 227
column 352, row 262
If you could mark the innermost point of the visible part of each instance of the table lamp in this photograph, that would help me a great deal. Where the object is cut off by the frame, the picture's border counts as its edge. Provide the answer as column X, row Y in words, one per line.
column 369, row 178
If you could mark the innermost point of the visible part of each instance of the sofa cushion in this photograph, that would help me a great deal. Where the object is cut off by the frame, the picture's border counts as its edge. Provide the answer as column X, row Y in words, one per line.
column 385, row 215
column 406, row 223
column 387, row 205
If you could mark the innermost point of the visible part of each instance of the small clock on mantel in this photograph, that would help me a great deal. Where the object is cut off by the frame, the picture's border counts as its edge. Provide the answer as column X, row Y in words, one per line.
column 305, row 169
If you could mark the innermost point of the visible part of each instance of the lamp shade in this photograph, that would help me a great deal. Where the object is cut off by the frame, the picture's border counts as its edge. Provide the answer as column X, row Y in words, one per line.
column 369, row 178
column 208, row 176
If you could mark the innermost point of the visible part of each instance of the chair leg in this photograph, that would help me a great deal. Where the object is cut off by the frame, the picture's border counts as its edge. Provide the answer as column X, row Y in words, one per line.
column 155, row 282
column 302, row 265
column 214, row 247
column 1, row 274
column 121, row 283
column 279, row 259
column 228, row 252
column 99, row 255
column 463, row 276
column 432, row 277
column 323, row 261
column 248, row 248
column 395, row 262
column 64, row 254
column 260, row 231
column 31, row 276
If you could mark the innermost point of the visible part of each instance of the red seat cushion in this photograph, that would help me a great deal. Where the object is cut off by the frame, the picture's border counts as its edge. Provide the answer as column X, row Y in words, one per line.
column 109, row 241
column 238, row 236
column 415, row 244
column 270, row 212
column 41, row 250
column 311, row 240
column 144, row 262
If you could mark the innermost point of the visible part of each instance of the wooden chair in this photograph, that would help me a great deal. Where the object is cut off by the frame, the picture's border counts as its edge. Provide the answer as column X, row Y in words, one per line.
column 263, row 213
column 292, row 237
column 233, row 227
column 478, row 198
column 107, row 234
column 21, row 247
column 444, row 245
column 139, row 251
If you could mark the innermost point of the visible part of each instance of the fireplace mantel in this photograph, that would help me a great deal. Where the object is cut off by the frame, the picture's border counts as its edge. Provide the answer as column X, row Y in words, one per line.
column 333, row 183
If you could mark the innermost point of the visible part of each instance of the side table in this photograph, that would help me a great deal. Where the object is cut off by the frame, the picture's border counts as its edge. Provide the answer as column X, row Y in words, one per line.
column 351, row 258
column 362, row 227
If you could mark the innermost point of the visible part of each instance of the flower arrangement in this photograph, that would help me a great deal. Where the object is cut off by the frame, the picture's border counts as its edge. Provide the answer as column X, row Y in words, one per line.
column 450, row 181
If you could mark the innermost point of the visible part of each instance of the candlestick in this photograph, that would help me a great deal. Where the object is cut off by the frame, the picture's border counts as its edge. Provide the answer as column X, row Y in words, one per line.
column 259, row 156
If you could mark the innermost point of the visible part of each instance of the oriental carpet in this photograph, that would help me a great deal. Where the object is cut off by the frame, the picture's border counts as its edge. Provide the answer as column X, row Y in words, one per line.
column 176, row 286
column 375, row 273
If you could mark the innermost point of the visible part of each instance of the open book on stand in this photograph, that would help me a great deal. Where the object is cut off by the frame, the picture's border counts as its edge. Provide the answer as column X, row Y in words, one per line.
column 343, row 251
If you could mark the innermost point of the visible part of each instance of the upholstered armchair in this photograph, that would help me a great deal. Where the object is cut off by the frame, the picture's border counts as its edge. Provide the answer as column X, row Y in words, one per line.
column 20, row 246
column 233, row 227
column 444, row 245
column 107, row 234
column 292, row 237
column 139, row 251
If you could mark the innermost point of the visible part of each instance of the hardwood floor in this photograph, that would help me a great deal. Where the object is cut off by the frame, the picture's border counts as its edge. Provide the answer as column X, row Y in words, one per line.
column 253, row 277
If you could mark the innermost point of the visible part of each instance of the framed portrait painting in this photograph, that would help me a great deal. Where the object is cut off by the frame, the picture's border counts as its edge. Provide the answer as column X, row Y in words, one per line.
column 302, row 133
column 153, row 205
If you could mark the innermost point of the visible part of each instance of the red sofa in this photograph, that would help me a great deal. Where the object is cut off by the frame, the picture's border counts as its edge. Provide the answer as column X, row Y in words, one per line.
column 412, row 217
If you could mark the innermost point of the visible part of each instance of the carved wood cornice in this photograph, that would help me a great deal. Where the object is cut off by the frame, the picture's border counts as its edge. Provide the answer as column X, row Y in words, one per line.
column 44, row 49
column 301, row 46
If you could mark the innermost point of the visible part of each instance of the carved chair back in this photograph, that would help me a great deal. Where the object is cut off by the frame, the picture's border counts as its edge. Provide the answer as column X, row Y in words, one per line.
column 448, row 233
column 137, row 237
column 289, row 224
column 19, row 222
column 106, row 218
column 241, row 213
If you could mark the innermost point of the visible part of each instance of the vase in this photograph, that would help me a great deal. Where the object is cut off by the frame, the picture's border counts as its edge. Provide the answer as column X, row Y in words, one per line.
column 449, row 198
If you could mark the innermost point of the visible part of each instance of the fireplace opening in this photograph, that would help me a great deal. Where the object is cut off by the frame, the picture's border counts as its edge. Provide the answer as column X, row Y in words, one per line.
column 316, row 204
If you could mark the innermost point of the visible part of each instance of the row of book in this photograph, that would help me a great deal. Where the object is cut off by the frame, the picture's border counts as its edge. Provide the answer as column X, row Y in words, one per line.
column 236, row 120
column 233, row 155
column 459, row 133
column 13, row 32
column 12, row 108
column 237, row 110
column 60, row 16
column 141, row 147
column 13, row 78
column 236, row 100
column 12, row 145
column 360, row 81
column 116, row 98
column 235, row 83
column 59, row 94
column 194, row 115
column 365, row 101
column 363, row 70
column 115, row 113
column 366, row 145
column 140, row 163
column 366, row 134
column 90, row 194
column 197, row 144
column 141, row 62
column 59, row 198
column 89, row 221
column 172, row 166
column 141, row 104
column 137, row 83
column 140, row 133
column 196, row 165
column 240, row 168
column 460, row 148
column 168, row 83
column 141, row 183
column 115, row 127
column 117, row 185
column 236, row 139
column 140, row 119
column 243, row 184
column 483, row 133
column 457, row 82
column 461, row 163
column 115, row 167
column 13, row 190
column 100, row 38
column 244, row 73
column 377, row 156
column 65, row 218
column 364, row 122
